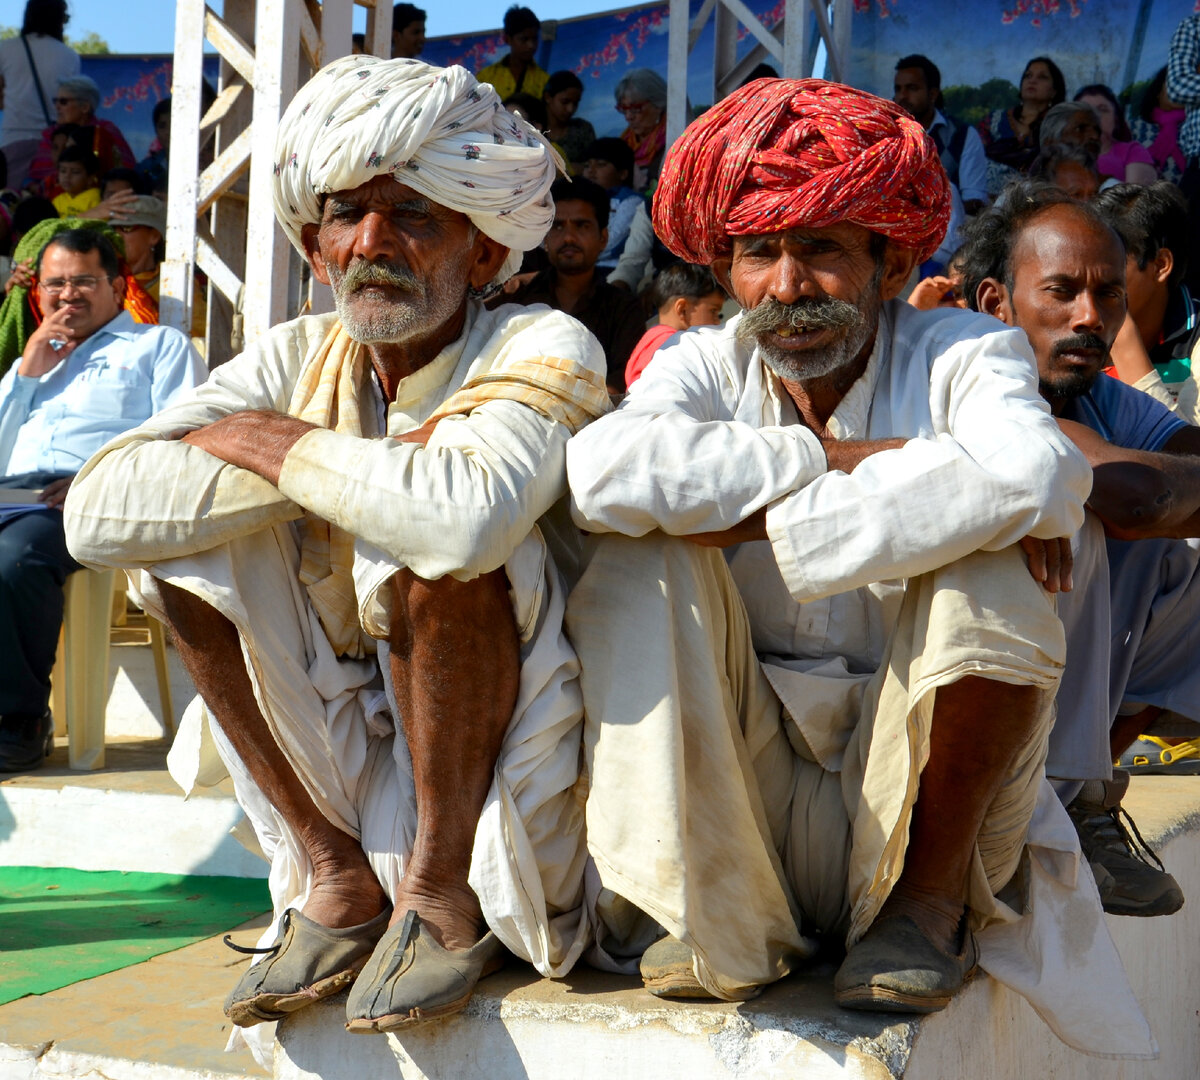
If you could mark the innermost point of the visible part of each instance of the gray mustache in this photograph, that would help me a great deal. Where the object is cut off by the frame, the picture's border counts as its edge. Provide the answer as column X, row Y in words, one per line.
column 824, row 313
column 367, row 273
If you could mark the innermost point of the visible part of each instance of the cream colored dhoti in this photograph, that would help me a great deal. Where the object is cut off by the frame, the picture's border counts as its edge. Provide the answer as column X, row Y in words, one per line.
column 333, row 719
column 709, row 810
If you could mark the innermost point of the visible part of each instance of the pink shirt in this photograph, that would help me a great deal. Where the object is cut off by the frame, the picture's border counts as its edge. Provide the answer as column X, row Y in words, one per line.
column 1121, row 154
column 649, row 343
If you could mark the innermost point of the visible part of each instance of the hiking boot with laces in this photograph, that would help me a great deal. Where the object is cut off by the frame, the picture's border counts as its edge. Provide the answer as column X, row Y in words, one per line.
column 1129, row 875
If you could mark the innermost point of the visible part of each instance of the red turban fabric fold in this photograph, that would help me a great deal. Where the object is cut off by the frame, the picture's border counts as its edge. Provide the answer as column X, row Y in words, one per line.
column 783, row 154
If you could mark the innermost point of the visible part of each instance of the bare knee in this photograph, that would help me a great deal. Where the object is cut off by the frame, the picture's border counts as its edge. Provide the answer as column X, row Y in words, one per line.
column 475, row 614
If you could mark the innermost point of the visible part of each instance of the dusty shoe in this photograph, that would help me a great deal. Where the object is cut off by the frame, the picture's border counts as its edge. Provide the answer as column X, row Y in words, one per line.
column 410, row 978
column 307, row 962
column 1130, row 877
column 668, row 971
column 895, row 968
column 26, row 740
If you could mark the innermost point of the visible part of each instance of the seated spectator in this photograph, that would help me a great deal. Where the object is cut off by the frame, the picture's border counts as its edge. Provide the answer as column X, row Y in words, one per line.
column 1011, row 136
column 642, row 99
column 571, row 283
column 1156, row 350
column 1053, row 268
column 1069, row 168
column 76, row 102
column 1072, row 123
column 685, row 295
column 154, row 165
column 1120, row 158
column 25, row 214
column 517, row 70
column 408, row 31
column 609, row 163
column 1156, row 126
column 917, row 88
column 941, row 290
column 78, row 182
column 806, row 526
column 86, row 374
column 28, row 79
column 142, row 229
column 17, row 318
column 566, row 130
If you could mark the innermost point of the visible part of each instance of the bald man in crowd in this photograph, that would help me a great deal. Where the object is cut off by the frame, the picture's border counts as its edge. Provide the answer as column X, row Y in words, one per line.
column 348, row 529
column 817, row 625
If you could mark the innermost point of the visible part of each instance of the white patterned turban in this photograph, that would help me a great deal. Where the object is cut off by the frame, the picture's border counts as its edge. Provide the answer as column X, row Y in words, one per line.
column 436, row 130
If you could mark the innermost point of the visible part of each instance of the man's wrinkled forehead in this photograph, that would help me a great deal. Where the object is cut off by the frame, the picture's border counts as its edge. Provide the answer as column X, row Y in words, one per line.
column 1065, row 239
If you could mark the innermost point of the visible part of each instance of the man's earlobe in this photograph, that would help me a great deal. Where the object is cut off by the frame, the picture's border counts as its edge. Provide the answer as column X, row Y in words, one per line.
column 1164, row 265
column 310, row 237
column 992, row 299
column 898, row 264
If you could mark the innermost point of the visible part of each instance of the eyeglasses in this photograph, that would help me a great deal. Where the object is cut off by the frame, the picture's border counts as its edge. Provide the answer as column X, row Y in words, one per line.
column 84, row 283
column 631, row 108
column 65, row 100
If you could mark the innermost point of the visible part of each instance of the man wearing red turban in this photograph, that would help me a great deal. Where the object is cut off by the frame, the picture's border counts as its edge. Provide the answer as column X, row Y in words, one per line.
column 819, row 642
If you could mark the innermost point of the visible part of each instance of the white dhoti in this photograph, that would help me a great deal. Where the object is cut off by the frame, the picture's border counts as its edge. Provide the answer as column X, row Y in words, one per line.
column 741, row 800
column 333, row 720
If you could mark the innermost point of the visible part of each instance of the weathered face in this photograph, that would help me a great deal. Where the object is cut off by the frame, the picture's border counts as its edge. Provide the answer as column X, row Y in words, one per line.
column 1037, row 84
column 409, row 41
column 561, row 106
column 79, row 284
column 69, row 109
column 140, row 241
column 912, row 95
column 641, row 116
column 399, row 264
column 1068, row 295
column 522, row 45
column 811, row 296
column 1082, row 131
column 575, row 240
column 604, row 173
column 1104, row 109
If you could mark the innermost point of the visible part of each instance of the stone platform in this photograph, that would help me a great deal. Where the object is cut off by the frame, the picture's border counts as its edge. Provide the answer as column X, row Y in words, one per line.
column 163, row 1019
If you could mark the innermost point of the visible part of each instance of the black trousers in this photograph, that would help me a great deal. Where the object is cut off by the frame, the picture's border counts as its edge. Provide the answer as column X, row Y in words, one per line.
column 34, row 564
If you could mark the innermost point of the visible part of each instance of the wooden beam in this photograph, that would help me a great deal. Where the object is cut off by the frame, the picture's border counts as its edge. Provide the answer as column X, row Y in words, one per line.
column 677, row 60
column 229, row 44
column 223, row 173
column 750, row 21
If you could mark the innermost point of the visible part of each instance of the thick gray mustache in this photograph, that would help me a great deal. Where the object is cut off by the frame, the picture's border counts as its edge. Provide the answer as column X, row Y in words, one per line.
column 365, row 273
column 827, row 313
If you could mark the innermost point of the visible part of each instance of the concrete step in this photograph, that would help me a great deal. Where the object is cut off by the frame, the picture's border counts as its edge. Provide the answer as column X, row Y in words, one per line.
column 159, row 1020
column 599, row 1027
column 129, row 815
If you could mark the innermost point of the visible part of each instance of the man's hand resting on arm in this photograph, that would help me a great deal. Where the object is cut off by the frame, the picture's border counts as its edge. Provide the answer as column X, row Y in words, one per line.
column 258, row 440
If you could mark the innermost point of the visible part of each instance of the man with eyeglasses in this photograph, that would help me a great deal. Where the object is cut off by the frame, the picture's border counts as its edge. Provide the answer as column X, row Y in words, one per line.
column 88, row 373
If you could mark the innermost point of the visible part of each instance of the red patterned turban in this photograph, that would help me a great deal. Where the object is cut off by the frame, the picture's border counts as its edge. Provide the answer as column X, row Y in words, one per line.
column 783, row 154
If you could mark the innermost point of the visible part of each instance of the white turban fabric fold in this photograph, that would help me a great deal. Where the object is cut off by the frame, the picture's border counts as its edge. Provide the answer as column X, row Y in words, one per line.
column 436, row 130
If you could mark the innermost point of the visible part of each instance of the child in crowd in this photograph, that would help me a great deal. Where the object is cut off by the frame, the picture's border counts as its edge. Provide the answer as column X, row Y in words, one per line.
column 517, row 70
column 78, row 170
column 685, row 295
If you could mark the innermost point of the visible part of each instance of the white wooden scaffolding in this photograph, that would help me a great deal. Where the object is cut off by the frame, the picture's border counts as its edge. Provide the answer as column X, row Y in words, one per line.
column 790, row 47
column 219, row 213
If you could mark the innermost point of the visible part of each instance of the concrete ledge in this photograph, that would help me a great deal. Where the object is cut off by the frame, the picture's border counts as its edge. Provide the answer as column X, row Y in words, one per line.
column 592, row 1025
column 127, row 816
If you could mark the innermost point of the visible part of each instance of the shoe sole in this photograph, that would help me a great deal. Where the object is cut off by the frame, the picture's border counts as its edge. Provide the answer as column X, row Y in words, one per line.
column 266, row 1008
column 677, row 985
column 1145, row 911
column 884, row 999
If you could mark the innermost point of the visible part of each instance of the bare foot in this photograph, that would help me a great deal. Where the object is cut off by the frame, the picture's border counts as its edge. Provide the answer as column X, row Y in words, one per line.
column 345, row 897
column 450, row 914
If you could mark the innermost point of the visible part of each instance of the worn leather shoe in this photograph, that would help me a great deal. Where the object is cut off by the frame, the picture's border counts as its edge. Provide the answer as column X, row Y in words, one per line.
column 26, row 740
column 668, row 971
column 307, row 962
column 896, row 968
column 410, row 978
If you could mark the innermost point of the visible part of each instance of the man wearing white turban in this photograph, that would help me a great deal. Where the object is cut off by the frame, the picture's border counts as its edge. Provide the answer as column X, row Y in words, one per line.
column 348, row 528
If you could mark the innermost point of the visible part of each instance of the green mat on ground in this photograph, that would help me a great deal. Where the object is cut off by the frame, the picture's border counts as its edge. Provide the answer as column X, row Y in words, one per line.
column 59, row 927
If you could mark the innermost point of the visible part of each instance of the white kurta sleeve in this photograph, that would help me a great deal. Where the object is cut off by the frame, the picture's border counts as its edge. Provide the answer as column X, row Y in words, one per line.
column 458, row 505
column 994, row 468
column 675, row 455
